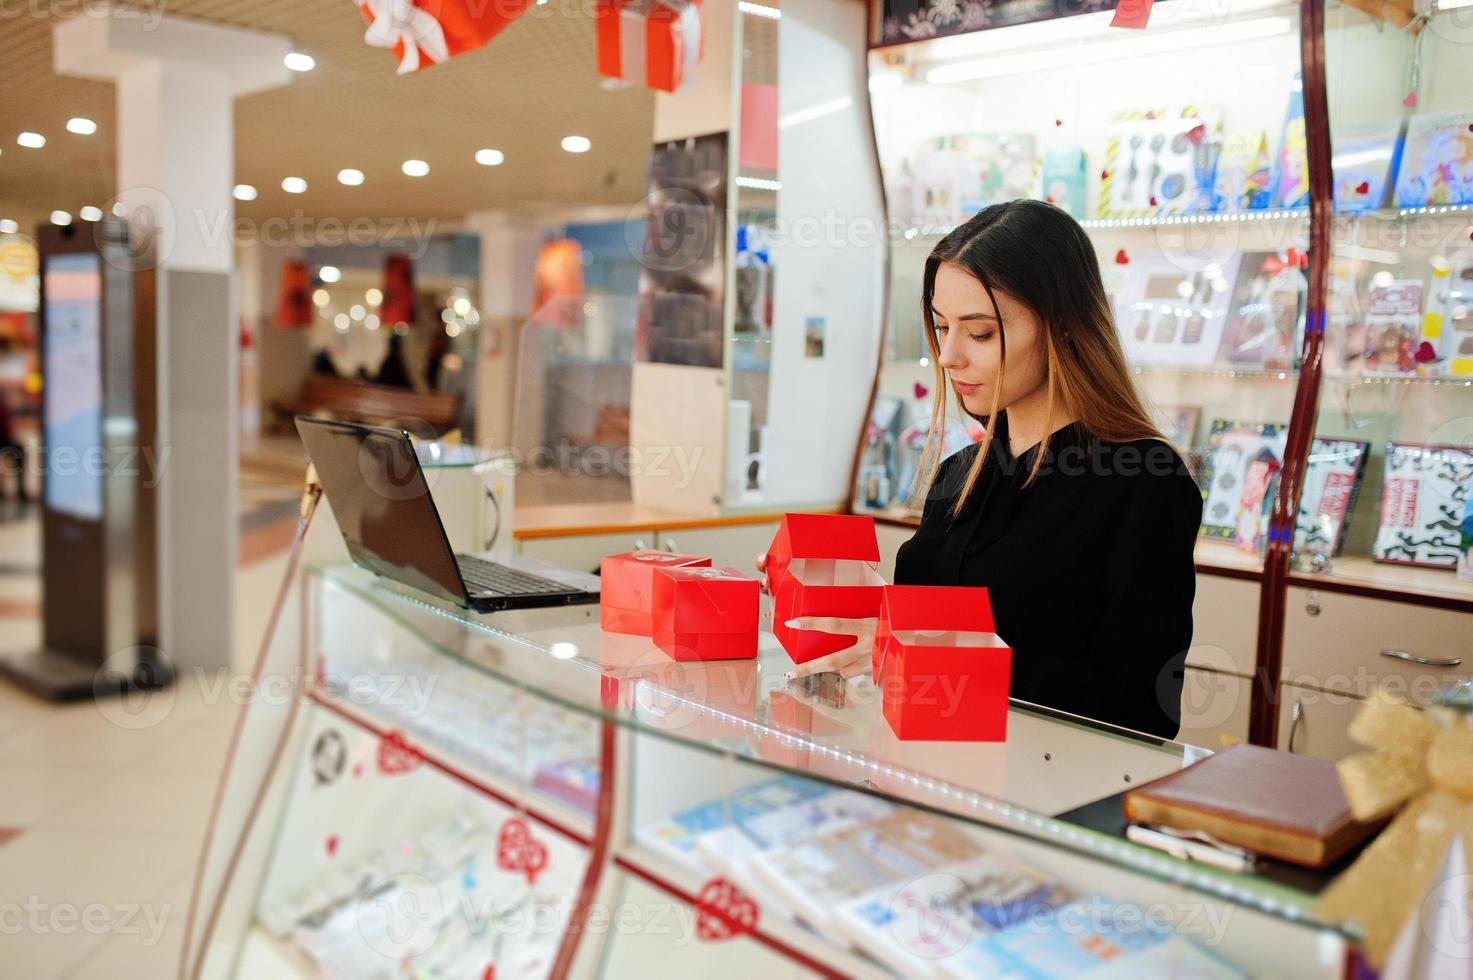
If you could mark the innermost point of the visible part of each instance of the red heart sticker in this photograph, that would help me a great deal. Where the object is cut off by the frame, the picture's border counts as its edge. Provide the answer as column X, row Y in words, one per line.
column 518, row 850
column 1364, row 187
column 1121, row 258
column 1058, row 122
column 1196, row 133
column 1050, row 199
column 1153, row 200
column 1104, row 175
column 1425, row 354
column 921, row 390
column 332, row 845
column 490, row 973
column 396, row 756
column 723, row 911
column 1410, row 101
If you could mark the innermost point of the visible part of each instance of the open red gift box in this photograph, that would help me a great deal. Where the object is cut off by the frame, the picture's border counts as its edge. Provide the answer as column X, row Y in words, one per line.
column 625, row 584
column 822, row 565
column 706, row 613
column 942, row 671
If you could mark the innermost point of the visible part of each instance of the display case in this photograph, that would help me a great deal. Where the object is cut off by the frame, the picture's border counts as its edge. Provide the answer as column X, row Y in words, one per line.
column 1194, row 153
column 522, row 794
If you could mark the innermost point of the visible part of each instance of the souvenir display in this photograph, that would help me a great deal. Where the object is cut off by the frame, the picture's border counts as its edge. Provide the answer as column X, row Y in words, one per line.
column 1062, row 183
column 1168, row 315
column 1291, row 166
column 1243, row 174
column 1448, row 324
column 1331, row 483
column 1393, row 327
column 957, row 176
column 1465, row 560
column 1256, row 500
column 1229, row 502
column 1424, row 495
column 1156, row 163
column 1437, row 164
column 1365, row 161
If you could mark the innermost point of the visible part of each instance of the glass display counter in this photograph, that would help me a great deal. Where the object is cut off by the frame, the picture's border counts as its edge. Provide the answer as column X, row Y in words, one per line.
column 525, row 794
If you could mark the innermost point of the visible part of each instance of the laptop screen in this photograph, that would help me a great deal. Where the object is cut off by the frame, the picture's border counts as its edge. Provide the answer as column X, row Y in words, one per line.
column 378, row 494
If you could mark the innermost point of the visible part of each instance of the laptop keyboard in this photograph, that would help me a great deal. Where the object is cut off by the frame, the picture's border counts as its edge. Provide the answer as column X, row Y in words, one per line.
column 488, row 578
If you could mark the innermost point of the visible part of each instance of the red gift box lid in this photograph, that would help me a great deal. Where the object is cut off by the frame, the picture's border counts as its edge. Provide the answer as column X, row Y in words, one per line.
column 839, row 536
column 710, row 600
column 619, row 591
column 962, row 608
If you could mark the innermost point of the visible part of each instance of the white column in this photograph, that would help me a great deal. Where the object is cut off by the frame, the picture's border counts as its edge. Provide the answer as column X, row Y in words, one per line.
column 509, row 245
column 176, row 84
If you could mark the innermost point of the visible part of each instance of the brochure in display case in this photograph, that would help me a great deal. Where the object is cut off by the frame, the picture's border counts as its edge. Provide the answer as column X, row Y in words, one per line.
column 1437, row 167
column 1424, row 494
column 1157, row 162
column 1241, row 458
column 1331, row 483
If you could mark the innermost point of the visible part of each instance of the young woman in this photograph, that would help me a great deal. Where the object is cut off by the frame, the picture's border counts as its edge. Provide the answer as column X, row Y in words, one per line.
column 1072, row 510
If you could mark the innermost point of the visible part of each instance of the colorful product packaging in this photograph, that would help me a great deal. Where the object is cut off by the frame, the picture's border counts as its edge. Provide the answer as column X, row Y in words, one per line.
column 626, row 583
column 705, row 613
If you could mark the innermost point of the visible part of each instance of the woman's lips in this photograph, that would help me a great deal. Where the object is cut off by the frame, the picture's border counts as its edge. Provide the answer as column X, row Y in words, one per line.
column 962, row 388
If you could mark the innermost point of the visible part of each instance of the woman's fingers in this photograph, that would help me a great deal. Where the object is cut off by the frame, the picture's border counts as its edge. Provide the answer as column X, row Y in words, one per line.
column 849, row 661
column 761, row 563
column 834, row 624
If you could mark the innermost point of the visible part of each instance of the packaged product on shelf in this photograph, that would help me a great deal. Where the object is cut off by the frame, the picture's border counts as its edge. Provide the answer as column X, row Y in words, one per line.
column 1062, row 182
column 1264, row 324
column 1393, row 327
column 1332, row 481
column 1437, row 164
column 1365, row 160
column 1157, row 162
column 1465, row 560
column 1254, row 503
column 1231, row 448
column 1291, row 166
column 956, row 176
column 626, row 582
column 1424, row 494
column 1243, row 175
column 706, row 613
column 572, row 781
column 1448, row 324
column 1170, row 315
column 675, row 836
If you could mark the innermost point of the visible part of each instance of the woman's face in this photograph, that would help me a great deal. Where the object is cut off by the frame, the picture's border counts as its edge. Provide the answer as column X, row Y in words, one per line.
column 968, row 333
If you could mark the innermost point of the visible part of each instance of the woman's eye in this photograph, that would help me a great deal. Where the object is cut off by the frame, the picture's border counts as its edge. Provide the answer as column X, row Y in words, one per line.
column 982, row 337
column 941, row 328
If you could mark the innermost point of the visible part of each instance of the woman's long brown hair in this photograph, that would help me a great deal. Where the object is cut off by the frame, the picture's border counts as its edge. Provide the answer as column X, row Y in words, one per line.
column 1041, row 257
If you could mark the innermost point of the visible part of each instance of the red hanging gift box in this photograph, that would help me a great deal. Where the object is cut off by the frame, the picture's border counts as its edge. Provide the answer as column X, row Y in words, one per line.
column 625, row 587
column 943, row 672
column 422, row 33
column 656, row 43
column 822, row 565
column 706, row 613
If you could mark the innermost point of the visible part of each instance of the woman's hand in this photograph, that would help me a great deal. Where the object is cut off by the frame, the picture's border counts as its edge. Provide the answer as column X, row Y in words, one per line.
column 853, row 659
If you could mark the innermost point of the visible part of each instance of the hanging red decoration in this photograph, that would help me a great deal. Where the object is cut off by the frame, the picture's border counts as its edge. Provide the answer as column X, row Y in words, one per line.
column 724, row 911
column 294, row 297
column 557, row 297
column 1121, row 258
column 396, row 756
column 517, row 850
column 1132, row 13
column 400, row 300
column 422, row 33
column 655, row 43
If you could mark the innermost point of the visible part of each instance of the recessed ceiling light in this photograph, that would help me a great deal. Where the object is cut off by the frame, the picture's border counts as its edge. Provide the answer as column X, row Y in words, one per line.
column 329, row 273
column 341, row 322
column 577, row 144
column 350, row 177
column 81, row 125
column 490, row 158
column 8, row 226
column 374, row 296
column 371, row 322
column 60, row 218
column 297, row 61
column 89, row 213
column 414, row 168
column 32, row 141
column 357, row 312
column 320, row 297
column 244, row 192
column 118, row 209
column 294, row 185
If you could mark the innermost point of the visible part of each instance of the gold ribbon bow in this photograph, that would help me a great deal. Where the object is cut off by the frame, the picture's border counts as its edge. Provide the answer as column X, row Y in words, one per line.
column 1422, row 766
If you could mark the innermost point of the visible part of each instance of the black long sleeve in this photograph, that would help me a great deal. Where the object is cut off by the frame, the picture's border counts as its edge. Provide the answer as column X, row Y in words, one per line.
column 1089, row 570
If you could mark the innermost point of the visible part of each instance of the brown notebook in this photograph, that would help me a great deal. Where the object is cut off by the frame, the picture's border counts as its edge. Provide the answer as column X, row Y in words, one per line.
column 1284, row 806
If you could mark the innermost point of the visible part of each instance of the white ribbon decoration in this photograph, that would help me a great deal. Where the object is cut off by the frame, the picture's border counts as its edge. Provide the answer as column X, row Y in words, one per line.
column 396, row 21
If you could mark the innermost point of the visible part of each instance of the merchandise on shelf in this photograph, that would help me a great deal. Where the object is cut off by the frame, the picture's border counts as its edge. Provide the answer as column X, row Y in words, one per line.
column 1170, row 315
column 1332, row 482
column 676, row 836
column 1437, row 165
column 1448, row 323
column 1256, row 500
column 706, row 613
column 956, row 176
column 1424, row 494
column 1062, row 182
column 1465, row 560
column 1365, row 162
column 1232, row 447
column 1157, row 163
column 1243, row 174
column 1265, row 313
column 1394, row 327
column 1291, row 166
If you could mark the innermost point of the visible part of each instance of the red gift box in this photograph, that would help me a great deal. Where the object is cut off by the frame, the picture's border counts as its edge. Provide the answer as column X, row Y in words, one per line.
column 835, row 556
column 942, row 670
column 656, row 43
column 625, row 584
column 706, row 613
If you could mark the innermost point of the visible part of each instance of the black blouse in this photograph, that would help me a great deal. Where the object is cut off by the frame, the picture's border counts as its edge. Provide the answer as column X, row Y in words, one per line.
column 1089, row 570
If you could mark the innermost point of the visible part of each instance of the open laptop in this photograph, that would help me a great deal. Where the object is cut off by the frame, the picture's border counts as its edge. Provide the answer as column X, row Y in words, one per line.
column 381, row 500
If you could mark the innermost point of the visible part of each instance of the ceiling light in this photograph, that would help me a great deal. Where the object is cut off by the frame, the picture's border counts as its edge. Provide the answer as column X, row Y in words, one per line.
column 350, row 177
column 89, row 213
column 320, row 297
column 60, row 218
column 760, row 10
column 341, row 322
column 33, row 141
column 374, row 296
column 294, row 185
column 81, row 125
column 577, row 144
column 329, row 273
column 118, row 209
column 297, row 61
column 244, row 192
column 8, row 226
column 357, row 312
column 414, row 168
column 371, row 322
column 489, row 157
column 883, row 83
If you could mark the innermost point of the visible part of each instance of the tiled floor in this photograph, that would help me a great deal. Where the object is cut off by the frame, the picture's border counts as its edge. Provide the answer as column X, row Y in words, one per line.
column 103, row 806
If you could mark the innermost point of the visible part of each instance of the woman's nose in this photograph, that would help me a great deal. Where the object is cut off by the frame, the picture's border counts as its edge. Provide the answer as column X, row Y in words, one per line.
column 951, row 351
